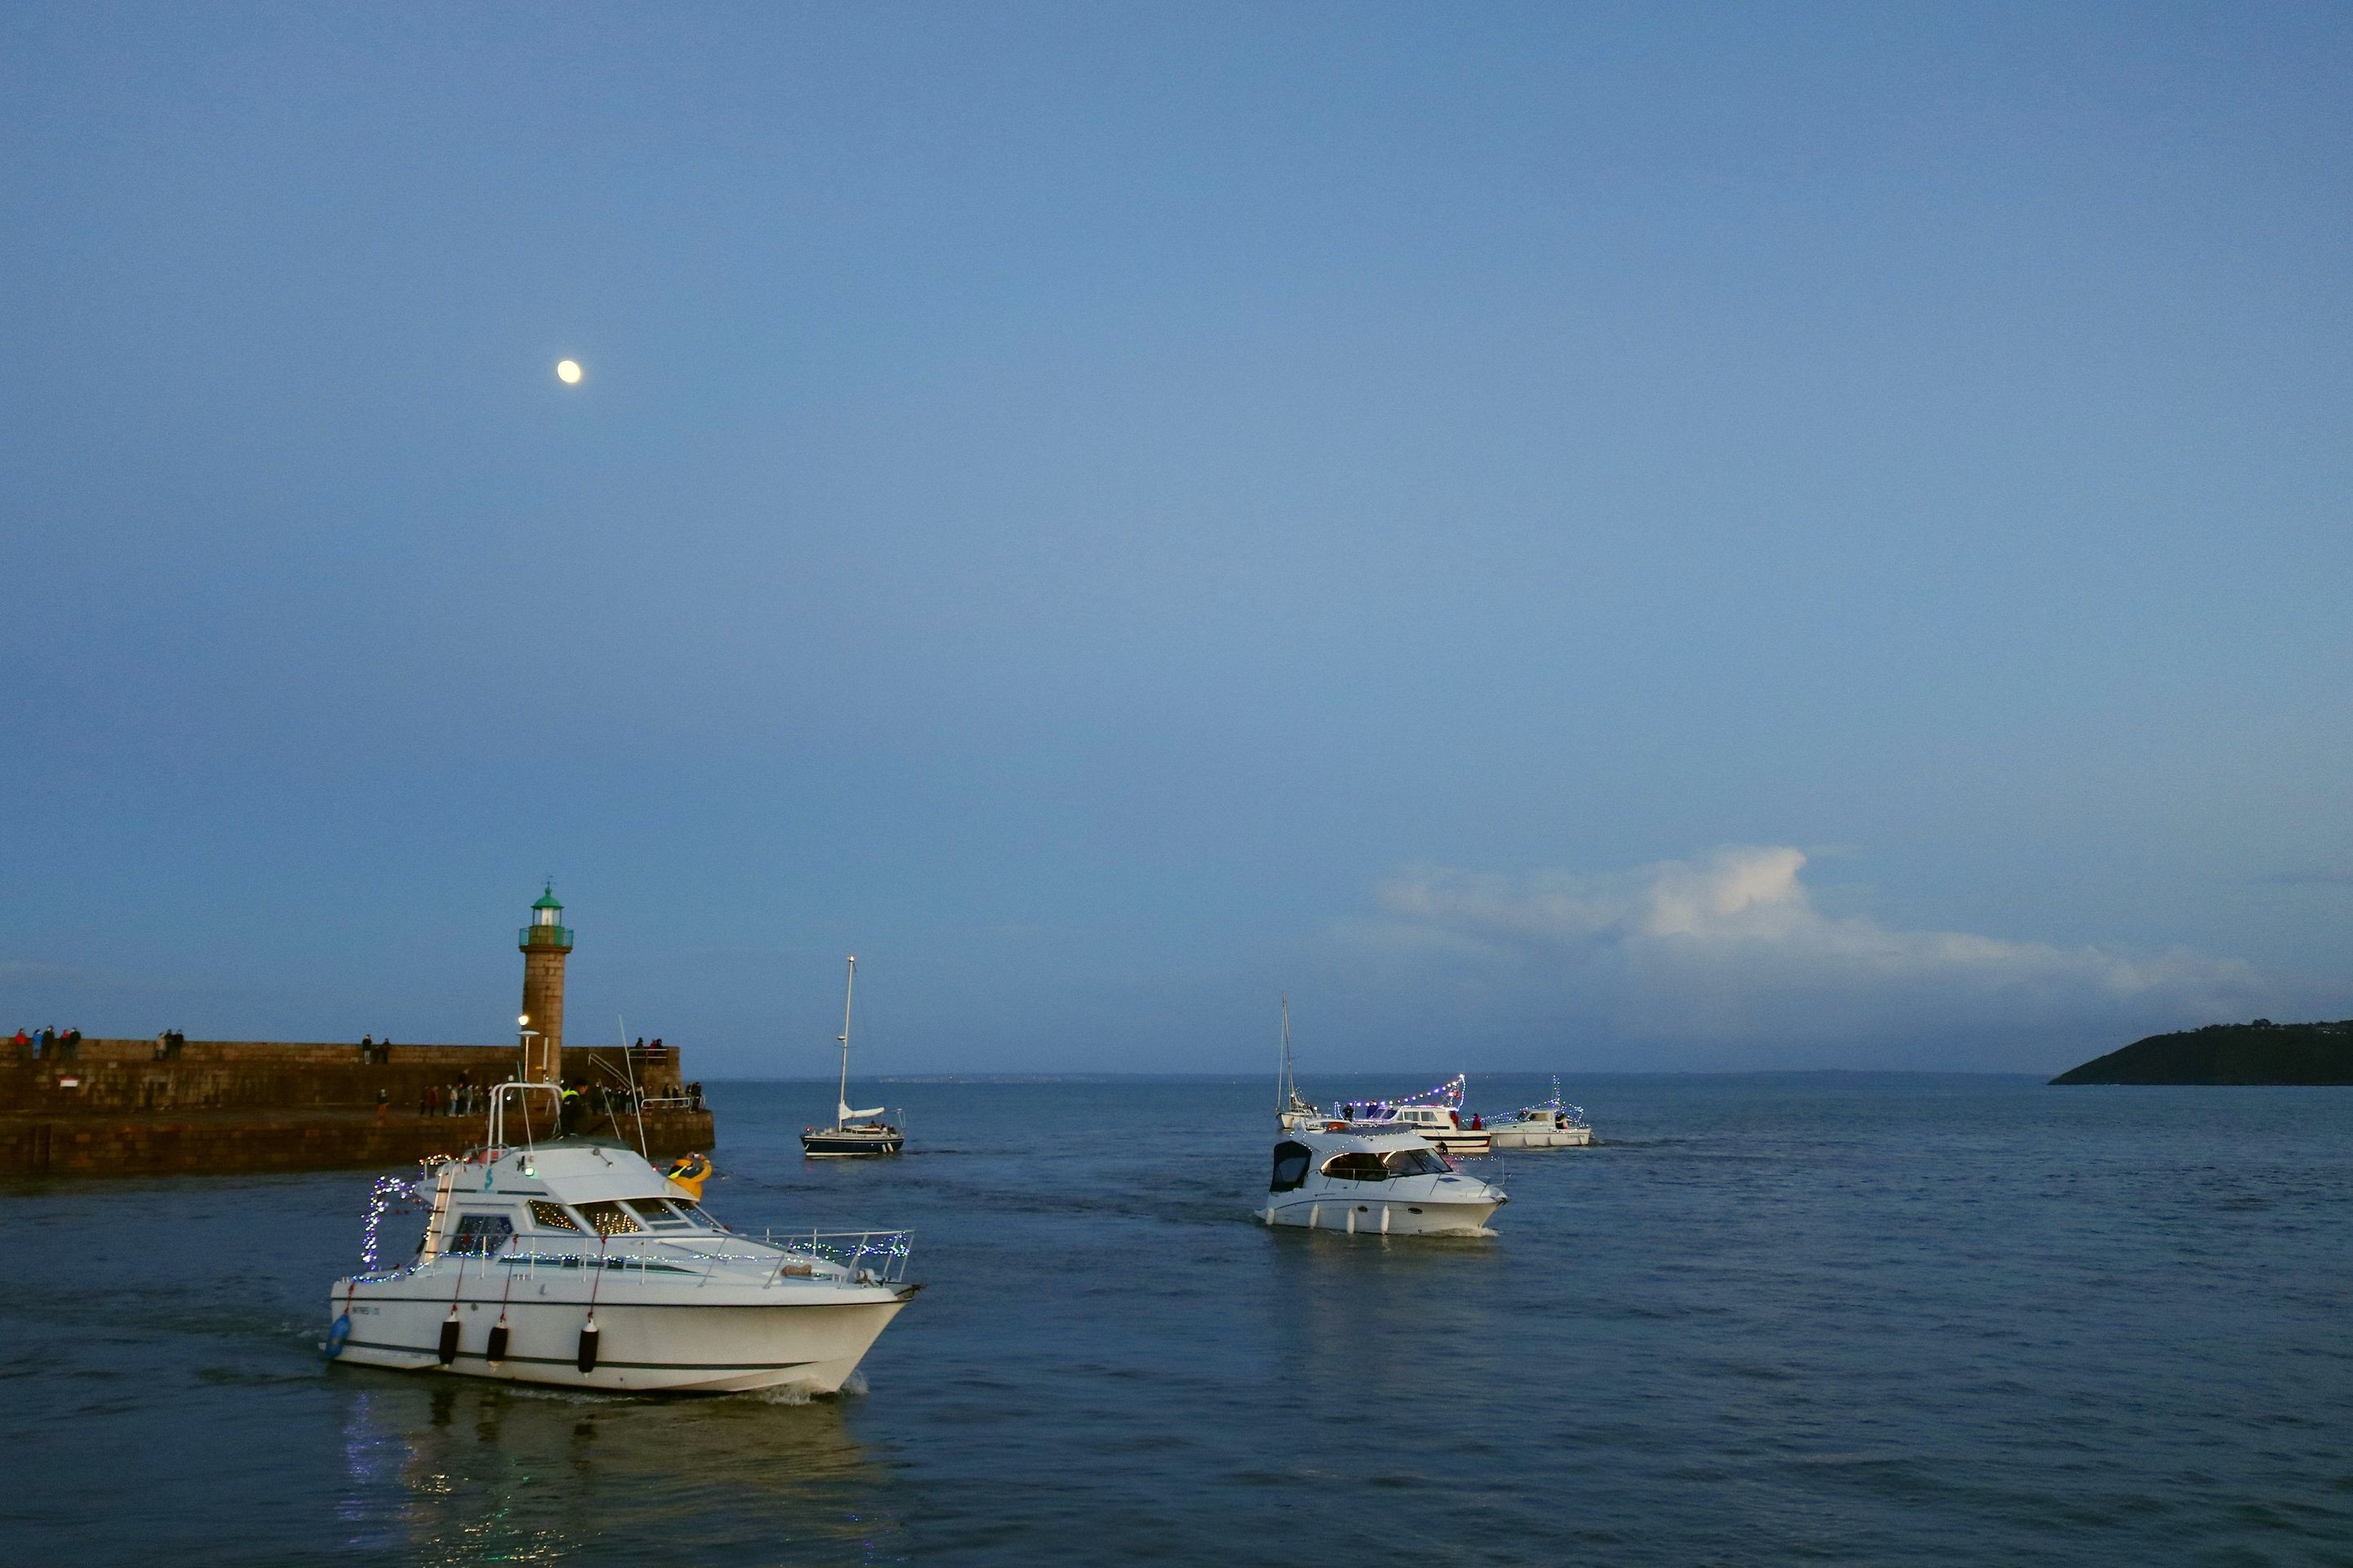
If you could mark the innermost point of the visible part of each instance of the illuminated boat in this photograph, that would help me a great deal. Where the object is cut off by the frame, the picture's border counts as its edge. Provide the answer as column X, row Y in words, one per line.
column 1551, row 1125
column 575, row 1263
column 1367, row 1181
column 1435, row 1114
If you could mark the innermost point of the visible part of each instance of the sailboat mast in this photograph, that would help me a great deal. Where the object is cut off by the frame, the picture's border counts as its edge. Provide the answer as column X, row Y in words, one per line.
column 1282, row 1068
column 841, row 1096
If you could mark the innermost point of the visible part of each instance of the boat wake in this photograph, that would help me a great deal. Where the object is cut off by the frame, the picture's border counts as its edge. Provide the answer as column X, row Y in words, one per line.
column 801, row 1394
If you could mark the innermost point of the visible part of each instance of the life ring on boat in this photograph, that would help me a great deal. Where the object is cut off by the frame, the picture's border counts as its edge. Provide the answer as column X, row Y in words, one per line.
column 1336, row 1127
column 337, row 1332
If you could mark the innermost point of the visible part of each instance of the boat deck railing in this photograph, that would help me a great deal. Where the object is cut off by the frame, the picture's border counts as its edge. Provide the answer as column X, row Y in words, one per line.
column 880, row 1254
column 864, row 1257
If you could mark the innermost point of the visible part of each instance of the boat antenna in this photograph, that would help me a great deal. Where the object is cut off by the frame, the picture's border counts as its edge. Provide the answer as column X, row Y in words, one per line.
column 841, row 1096
column 636, row 1104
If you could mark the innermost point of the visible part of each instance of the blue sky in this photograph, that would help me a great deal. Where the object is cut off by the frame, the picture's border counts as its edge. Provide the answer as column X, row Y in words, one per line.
column 1562, row 537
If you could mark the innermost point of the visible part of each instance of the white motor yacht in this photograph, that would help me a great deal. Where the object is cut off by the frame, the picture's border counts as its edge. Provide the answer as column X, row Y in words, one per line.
column 1551, row 1125
column 576, row 1263
column 1436, row 1114
column 1366, row 1181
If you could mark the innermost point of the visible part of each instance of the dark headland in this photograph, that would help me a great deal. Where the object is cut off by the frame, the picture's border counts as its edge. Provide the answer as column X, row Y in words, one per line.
column 2257, row 1053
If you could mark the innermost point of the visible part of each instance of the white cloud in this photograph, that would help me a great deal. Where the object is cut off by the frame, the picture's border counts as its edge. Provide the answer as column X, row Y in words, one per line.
column 1734, row 947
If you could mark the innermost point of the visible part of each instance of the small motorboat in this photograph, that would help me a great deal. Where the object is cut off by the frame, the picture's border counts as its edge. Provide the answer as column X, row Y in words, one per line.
column 1367, row 1181
column 574, row 1262
column 1551, row 1125
column 854, row 1133
column 1436, row 1114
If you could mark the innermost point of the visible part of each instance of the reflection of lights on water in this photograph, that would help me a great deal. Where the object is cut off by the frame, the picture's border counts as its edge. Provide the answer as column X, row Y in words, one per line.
column 446, row 1469
column 373, row 1457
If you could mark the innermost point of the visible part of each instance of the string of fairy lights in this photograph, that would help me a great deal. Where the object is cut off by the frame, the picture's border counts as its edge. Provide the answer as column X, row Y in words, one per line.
column 1449, row 1094
column 391, row 1196
column 382, row 1199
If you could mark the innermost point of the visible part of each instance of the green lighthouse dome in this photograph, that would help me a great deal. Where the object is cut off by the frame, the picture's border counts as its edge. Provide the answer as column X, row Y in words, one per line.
column 547, row 927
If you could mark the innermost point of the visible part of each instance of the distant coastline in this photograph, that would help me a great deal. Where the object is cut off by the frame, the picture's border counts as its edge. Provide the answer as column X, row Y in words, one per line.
column 2261, row 1052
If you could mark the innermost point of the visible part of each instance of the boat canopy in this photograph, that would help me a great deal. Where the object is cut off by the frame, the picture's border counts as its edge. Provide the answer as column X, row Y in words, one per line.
column 1326, row 1139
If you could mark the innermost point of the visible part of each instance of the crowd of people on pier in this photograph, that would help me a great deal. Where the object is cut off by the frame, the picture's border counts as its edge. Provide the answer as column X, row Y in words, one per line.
column 586, row 1105
column 583, row 1103
column 48, row 1044
column 463, row 1097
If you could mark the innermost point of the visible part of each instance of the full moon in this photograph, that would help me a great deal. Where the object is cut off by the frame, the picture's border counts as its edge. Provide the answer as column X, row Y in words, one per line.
column 567, row 371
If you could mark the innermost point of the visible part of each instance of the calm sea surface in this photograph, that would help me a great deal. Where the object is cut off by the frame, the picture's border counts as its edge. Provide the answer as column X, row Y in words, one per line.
column 1847, row 1320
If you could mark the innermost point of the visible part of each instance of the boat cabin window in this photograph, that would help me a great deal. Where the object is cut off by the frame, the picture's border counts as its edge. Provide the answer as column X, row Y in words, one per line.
column 609, row 1219
column 482, row 1234
column 1415, row 1162
column 657, row 1212
column 1290, row 1166
column 1357, row 1167
column 551, row 1216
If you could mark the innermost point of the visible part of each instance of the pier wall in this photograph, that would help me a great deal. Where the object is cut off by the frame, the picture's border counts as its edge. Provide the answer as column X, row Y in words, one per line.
column 111, row 1108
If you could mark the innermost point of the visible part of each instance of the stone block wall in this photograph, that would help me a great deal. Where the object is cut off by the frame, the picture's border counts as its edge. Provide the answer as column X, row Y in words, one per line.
column 253, row 1105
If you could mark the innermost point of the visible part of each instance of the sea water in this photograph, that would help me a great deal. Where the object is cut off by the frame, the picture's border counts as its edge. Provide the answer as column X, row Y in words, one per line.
column 1858, row 1319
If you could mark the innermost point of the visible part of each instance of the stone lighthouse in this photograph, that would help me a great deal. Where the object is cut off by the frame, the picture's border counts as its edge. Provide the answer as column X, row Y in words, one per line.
column 546, row 942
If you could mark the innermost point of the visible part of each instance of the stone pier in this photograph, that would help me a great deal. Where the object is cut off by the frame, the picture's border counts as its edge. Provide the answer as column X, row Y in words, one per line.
column 112, row 1108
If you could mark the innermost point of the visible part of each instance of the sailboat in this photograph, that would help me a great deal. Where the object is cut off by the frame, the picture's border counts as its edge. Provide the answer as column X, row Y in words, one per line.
column 853, row 1133
column 1291, row 1112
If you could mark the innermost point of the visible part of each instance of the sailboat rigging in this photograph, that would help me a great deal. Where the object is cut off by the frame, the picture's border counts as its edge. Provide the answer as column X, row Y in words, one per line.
column 853, row 1133
column 1289, row 1111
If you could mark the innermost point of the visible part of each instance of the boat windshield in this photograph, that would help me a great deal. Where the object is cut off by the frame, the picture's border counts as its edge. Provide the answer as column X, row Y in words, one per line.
column 1414, row 1163
column 658, row 1214
column 609, row 1219
column 482, row 1234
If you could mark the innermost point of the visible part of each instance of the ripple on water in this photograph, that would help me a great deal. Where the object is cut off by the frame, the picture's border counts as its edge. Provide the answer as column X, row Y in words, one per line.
column 1771, row 1320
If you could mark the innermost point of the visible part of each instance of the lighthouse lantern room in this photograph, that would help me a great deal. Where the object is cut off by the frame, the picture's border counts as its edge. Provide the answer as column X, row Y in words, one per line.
column 546, row 942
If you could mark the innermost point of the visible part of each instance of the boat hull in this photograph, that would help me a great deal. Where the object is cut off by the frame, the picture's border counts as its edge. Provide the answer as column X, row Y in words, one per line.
column 1540, row 1137
column 811, row 1338
column 1461, row 1141
column 1381, row 1216
column 839, row 1145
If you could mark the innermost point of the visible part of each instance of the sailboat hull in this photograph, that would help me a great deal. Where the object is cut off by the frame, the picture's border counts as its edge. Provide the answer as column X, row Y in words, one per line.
column 851, row 1143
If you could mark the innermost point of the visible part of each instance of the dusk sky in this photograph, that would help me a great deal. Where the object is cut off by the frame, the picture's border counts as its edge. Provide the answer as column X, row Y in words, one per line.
column 1564, row 538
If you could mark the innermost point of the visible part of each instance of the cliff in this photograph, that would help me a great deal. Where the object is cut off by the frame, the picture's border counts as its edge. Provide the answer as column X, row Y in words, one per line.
column 2257, row 1053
